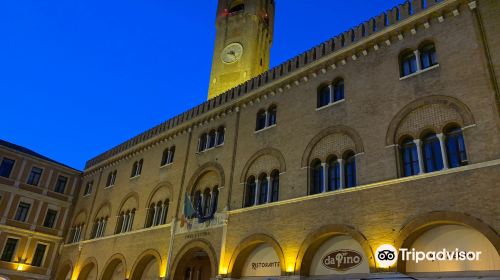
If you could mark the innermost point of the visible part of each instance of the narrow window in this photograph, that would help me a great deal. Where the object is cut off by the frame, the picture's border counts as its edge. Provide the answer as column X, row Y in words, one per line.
column 220, row 135
column 159, row 209
column 9, row 250
column 215, row 200
column 197, row 202
column 88, row 188
column 263, row 188
column 275, row 185
column 211, row 139
column 39, row 255
column 34, row 177
column 164, row 157
column 61, row 183
column 50, row 218
column 134, row 169
column 333, row 174
column 363, row 30
column 250, row 192
column 139, row 167
column 150, row 215
column 261, row 120
column 207, row 201
column 428, row 56
column 338, row 90
column 272, row 111
column 317, row 177
column 110, row 177
column 408, row 64
column 433, row 159
column 6, row 167
column 455, row 148
column 166, row 204
column 350, row 170
column 409, row 155
column 202, row 143
column 22, row 212
column 323, row 96
column 171, row 154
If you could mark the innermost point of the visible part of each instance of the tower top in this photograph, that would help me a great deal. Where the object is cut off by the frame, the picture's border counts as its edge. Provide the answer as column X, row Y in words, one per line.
column 244, row 32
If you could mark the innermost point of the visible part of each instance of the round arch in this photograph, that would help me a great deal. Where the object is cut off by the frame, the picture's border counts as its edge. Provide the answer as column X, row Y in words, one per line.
column 246, row 247
column 87, row 266
column 104, row 205
column 453, row 103
column 65, row 269
column 197, row 244
column 351, row 133
column 315, row 239
column 209, row 166
column 142, row 261
column 416, row 227
column 113, row 262
column 81, row 217
column 266, row 151
column 131, row 195
column 162, row 186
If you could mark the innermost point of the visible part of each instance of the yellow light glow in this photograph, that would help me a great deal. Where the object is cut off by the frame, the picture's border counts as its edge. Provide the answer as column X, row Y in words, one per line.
column 290, row 268
column 223, row 270
column 20, row 267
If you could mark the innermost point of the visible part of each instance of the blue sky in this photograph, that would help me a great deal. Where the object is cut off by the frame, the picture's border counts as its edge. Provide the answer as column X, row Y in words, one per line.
column 78, row 77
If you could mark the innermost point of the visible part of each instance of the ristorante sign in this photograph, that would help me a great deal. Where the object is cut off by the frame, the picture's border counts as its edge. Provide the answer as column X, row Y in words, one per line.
column 342, row 260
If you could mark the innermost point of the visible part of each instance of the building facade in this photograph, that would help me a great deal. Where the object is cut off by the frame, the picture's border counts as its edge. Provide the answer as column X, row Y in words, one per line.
column 385, row 135
column 36, row 199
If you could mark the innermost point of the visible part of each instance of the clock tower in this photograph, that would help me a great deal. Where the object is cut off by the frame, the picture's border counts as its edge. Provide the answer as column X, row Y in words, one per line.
column 244, row 33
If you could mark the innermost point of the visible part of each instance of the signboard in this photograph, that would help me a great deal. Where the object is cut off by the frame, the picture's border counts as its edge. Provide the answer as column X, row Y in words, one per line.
column 339, row 255
column 262, row 262
column 452, row 239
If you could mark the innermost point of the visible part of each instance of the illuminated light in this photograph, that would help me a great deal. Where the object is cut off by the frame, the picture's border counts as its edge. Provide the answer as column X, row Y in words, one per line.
column 290, row 268
column 20, row 267
column 223, row 270
column 386, row 255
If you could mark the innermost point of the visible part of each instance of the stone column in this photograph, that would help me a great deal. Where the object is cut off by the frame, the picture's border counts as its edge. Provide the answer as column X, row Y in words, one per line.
column 420, row 155
column 442, row 144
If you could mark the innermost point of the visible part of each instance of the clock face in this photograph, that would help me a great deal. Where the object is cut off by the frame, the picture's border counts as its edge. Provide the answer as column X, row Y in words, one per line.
column 232, row 53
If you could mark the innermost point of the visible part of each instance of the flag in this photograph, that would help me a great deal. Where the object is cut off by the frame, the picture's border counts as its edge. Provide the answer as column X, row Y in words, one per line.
column 189, row 211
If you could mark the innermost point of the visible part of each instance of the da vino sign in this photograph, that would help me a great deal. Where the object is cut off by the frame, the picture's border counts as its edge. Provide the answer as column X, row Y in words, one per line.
column 342, row 260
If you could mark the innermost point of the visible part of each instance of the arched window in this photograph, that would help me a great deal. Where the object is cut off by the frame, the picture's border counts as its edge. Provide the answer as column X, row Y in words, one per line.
column 408, row 63
column 168, row 156
column 211, row 139
column 333, row 174
column 166, row 204
column 323, row 96
column 455, row 147
column 338, row 90
column 220, row 135
column 197, row 202
column 275, row 185
column 428, row 55
column 158, row 212
column 202, row 144
column 350, row 170
column 272, row 115
column 261, row 120
column 433, row 159
column 317, row 177
column 134, row 169
column 250, row 192
column 119, row 222
column 150, row 216
column 207, row 202
column 263, row 188
column 215, row 199
column 409, row 156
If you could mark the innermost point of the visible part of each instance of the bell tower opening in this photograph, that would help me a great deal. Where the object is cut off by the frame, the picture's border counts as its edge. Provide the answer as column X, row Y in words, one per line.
column 244, row 33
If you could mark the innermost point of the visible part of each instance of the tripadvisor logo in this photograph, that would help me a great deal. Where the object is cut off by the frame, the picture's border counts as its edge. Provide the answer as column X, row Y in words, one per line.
column 387, row 255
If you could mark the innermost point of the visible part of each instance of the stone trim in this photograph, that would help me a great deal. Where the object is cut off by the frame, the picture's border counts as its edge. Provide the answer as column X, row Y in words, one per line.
column 142, row 261
column 266, row 151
